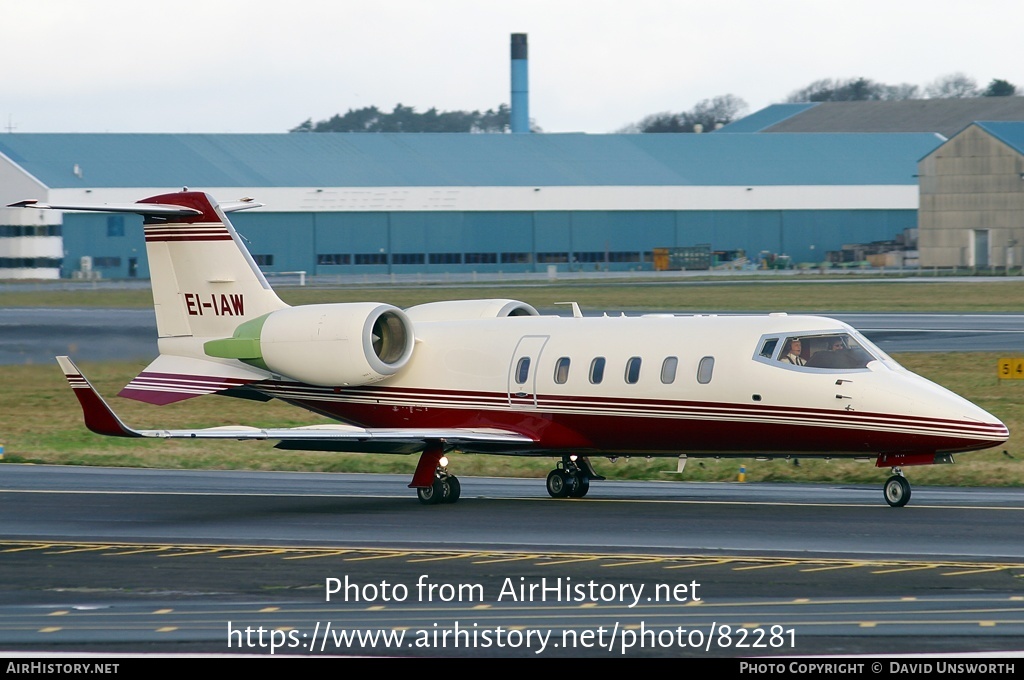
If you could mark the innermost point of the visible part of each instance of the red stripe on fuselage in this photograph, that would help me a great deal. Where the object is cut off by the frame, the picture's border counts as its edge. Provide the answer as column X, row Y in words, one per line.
column 186, row 237
column 693, row 427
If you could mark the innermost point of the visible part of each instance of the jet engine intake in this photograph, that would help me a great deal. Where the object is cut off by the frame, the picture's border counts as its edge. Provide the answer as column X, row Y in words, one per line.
column 328, row 345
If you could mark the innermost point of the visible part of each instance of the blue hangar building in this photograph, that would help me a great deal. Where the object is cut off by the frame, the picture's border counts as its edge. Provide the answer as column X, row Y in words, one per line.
column 358, row 203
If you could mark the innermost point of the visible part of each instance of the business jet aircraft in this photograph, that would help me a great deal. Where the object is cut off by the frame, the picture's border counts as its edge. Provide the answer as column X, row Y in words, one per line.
column 496, row 377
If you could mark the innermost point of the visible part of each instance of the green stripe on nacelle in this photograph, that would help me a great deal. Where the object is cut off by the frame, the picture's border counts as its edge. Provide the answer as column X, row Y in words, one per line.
column 244, row 344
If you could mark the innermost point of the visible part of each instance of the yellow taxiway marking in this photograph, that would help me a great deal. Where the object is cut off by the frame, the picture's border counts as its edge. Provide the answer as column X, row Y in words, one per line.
column 138, row 551
column 200, row 551
column 516, row 558
column 327, row 553
column 568, row 560
column 710, row 563
column 163, row 611
column 441, row 558
column 28, row 547
column 77, row 550
column 619, row 560
column 765, row 566
column 836, row 566
column 896, row 570
column 377, row 557
column 50, row 629
column 253, row 554
column 973, row 571
column 167, row 629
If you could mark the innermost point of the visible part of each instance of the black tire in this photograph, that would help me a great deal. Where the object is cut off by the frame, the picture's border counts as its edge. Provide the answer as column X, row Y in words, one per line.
column 557, row 484
column 582, row 486
column 426, row 495
column 438, row 492
column 897, row 491
column 454, row 489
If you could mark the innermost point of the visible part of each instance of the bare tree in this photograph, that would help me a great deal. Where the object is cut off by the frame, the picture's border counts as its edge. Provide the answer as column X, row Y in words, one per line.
column 901, row 92
column 715, row 112
column 709, row 114
column 852, row 90
column 952, row 86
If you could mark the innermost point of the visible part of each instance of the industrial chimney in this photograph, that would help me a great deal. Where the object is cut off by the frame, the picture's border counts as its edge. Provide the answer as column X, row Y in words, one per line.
column 520, row 115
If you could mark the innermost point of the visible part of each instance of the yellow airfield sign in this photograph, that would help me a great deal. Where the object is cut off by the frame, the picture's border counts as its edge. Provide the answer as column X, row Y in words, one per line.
column 1011, row 369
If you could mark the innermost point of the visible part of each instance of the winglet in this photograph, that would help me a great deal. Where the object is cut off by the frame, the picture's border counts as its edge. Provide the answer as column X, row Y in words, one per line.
column 99, row 417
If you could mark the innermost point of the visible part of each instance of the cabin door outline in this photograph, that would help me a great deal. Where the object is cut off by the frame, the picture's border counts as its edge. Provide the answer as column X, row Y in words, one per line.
column 523, row 393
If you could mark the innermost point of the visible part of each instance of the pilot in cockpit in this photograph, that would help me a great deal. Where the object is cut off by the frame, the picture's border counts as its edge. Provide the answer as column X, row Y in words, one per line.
column 791, row 352
column 838, row 354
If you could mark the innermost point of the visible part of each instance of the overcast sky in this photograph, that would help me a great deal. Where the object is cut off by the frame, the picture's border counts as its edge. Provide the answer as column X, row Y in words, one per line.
column 595, row 65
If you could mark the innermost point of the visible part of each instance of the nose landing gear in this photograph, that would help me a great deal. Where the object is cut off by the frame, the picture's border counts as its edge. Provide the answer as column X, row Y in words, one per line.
column 897, row 489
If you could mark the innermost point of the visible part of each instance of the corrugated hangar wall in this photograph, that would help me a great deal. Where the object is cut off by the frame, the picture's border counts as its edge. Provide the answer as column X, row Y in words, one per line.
column 972, row 203
column 507, row 241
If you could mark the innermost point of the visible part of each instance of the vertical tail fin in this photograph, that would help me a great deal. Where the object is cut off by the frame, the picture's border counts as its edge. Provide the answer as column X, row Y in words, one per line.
column 205, row 285
column 205, row 282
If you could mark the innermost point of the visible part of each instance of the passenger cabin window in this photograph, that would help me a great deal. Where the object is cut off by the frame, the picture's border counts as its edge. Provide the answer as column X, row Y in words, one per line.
column 597, row 370
column 562, row 370
column 523, row 370
column 633, row 370
column 668, row 370
column 704, row 370
column 831, row 350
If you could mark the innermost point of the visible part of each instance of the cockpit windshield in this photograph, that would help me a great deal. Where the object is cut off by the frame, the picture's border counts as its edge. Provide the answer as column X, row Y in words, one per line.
column 838, row 350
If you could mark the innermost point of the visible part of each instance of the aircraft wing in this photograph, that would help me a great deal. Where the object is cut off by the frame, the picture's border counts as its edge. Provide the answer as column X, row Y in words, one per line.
column 101, row 419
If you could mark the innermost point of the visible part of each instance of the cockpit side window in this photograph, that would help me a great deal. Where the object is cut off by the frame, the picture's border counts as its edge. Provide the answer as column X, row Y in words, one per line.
column 768, row 347
column 838, row 350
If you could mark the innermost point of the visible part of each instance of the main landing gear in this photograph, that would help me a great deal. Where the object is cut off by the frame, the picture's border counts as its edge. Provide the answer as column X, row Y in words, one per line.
column 445, row 489
column 432, row 481
column 571, row 478
column 897, row 489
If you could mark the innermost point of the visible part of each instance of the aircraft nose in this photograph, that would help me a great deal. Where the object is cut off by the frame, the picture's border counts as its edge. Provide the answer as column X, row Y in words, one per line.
column 985, row 427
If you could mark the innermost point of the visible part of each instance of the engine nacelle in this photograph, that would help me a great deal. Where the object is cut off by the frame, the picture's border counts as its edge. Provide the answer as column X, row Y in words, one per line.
column 466, row 310
column 328, row 345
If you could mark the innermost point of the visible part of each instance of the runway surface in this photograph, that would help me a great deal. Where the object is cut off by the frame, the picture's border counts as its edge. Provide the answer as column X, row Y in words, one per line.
column 121, row 560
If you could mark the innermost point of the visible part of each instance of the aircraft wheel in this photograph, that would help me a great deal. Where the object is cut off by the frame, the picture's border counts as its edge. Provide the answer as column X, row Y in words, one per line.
column 438, row 492
column 454, row 489
column 582, row 487
column 897, row 491
column 558, row 486
column 426, row 495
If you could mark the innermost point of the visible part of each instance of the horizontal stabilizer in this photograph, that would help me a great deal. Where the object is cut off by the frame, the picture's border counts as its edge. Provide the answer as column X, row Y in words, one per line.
column 150, row 209
column 169, row 379
column 100, row 418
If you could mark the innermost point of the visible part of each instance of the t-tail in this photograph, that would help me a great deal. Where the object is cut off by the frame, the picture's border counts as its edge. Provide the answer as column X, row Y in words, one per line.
column 205, row 286
column 205, row 282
